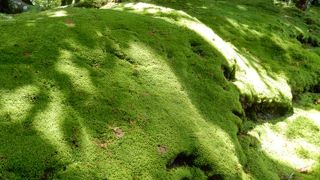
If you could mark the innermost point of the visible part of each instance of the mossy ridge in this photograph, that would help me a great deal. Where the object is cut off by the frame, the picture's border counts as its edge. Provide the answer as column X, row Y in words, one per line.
column 277, row 56
column 93, row 113
column 286, row 42
column 82, row 167
column 258, row 88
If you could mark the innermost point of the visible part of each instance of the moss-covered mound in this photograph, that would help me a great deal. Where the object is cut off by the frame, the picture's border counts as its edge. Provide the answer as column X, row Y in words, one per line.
column 273, row 51
column 100, row 93
column 148, row 92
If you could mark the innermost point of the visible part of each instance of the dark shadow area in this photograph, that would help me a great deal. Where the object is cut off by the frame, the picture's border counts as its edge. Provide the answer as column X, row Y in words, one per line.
column 265, row 111
column 185, row 160
column 315, row 89
column 181, row 159
column 308, row 41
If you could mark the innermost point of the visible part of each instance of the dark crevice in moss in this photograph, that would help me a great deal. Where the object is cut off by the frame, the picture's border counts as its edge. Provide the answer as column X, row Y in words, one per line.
column 315, row 89
column 238, row 114
column 308, row 40
column 309, row 21
column 111, row 46
column 75, row 138
column 215, row 177
column 197, row 48
column 118, row 53
column 48, row 172
column 265, row 110
column 229, row 72
column 123, row 56
column 295, row 96
column 184, row 159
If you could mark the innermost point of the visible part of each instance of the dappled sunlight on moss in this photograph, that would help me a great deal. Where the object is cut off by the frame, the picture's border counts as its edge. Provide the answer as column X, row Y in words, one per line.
column 282, row 149
column 121, row 76
column 148, row 8
column 284, row 4
column 244, row 28
column 122, row 95
column 310, row 115
column 49, row 121
column 59, row 13
column 31, row 23
column 80, row 77
column 15, row 105
column 155, row 71
column 253, row 80
column 261, row 84
column 242, row 7
column 214, row 145
column 82, row 139
column 292, row 141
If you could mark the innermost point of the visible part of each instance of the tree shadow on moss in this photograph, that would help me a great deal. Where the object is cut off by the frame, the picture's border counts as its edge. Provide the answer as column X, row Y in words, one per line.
column 185, row 80
column 276, row 53
column 27, row 151
column 94, row 108
column 57, row 73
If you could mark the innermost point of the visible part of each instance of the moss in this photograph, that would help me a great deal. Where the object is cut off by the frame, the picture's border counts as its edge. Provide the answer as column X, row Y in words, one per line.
column 303, row 127
column 108, row 94
column 97, row 95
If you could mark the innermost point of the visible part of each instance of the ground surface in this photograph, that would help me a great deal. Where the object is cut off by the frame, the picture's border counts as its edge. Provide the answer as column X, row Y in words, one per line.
column 140, row 91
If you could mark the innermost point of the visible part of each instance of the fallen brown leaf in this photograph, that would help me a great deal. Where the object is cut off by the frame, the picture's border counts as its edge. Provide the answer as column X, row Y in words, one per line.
column 118, row 132
column 162, row 149
column 103, row 145
column 69, row 23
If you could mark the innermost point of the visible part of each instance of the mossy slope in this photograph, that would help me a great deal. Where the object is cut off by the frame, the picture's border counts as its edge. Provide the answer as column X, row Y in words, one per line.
column 103, row 94
column 120, row 95
column 277, row 49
